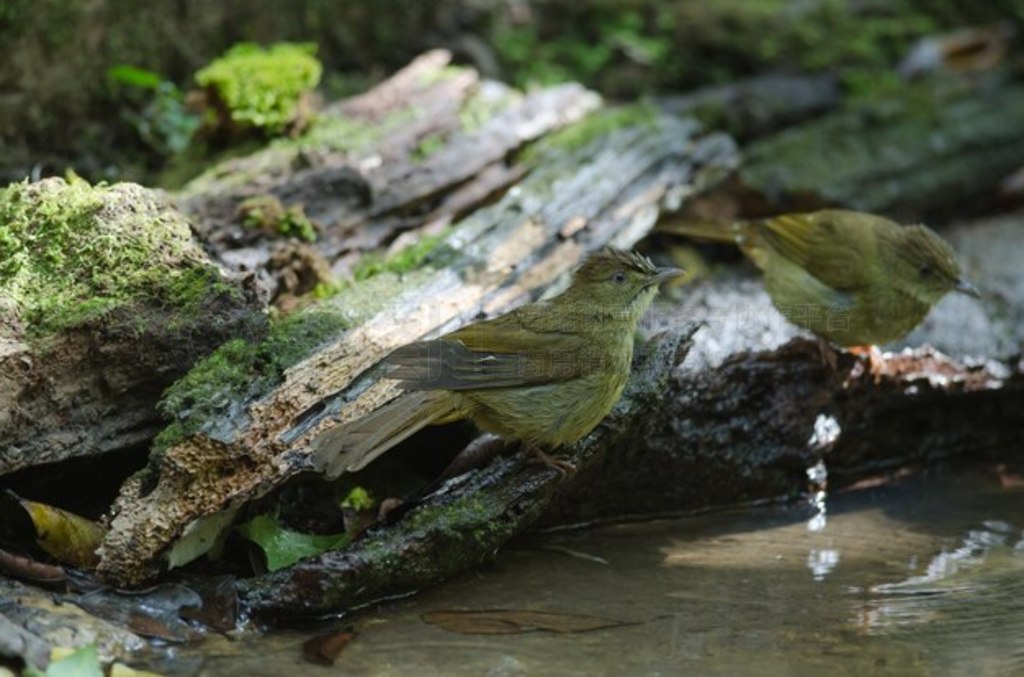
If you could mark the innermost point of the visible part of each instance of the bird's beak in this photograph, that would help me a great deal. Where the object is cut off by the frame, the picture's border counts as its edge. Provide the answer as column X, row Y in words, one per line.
column 965, row 287
column 664, row 274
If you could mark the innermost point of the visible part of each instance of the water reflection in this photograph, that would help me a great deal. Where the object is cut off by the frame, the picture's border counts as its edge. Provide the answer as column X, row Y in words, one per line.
column 922, row 578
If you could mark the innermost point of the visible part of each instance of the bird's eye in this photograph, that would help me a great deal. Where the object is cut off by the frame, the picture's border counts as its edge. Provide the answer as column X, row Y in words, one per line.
column 925, row 270
column 619, row 277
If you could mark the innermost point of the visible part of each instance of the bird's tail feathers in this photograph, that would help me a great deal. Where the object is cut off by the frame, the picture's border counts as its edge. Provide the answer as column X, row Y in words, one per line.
column 351, row 447
column 704, row 229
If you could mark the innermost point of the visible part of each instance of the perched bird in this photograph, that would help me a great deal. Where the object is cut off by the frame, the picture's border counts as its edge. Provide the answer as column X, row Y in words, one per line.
column 852, row 278
column 545, row 373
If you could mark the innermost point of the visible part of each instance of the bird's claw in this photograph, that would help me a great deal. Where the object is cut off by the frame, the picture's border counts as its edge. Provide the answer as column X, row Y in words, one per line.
column 565, row 468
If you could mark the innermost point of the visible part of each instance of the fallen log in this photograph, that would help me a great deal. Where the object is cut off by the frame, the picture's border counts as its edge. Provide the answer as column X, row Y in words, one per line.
column 729, row 404
column 601, row 182
column 417, row 152
column 918, row 154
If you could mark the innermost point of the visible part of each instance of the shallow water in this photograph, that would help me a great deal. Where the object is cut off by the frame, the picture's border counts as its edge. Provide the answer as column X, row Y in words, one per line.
column 924, row 576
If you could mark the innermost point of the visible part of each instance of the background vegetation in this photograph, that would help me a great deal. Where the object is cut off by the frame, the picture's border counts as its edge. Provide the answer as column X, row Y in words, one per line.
column 102, row 86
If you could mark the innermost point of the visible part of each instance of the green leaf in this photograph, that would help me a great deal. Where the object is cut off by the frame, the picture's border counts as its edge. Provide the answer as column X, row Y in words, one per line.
column 82, row 663
column 284, row 547
column 358, row 499
column 134, row 77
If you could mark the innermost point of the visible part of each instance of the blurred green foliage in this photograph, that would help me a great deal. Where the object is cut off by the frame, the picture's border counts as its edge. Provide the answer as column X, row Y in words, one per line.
column 57, row 106
column 155, row 108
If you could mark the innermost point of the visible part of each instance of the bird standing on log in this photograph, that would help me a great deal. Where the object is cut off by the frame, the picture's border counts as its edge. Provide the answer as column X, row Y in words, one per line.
column 546, row 373
column 852, row 278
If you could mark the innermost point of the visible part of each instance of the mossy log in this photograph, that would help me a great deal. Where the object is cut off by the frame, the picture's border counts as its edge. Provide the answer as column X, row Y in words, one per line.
column 87, row 276
column 934, row 147
column 759, row 105
column 728, row 403
column 427, row 146
column 604, row 180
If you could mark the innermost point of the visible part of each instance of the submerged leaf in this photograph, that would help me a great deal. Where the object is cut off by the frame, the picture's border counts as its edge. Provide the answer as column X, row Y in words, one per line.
column 516, row 621
column 84, row 662
column 158, row 612
column 283, row 546
column 325, row 649
column 67, row 537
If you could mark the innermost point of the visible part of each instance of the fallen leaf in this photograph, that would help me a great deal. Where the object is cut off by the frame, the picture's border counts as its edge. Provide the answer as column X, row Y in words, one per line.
column 29, row 569
column 68, row 538
column 325, row 649
column 157, row 612
column 283, row 546
column 84, row 662
column 517, row 621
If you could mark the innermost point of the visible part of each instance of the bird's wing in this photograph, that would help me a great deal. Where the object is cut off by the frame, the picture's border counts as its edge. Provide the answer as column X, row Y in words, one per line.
column 496, row 353
column 830, row 249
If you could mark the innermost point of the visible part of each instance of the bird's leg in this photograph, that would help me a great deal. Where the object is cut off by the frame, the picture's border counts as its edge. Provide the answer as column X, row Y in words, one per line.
column 829, row 356
column 476, row 454
column 564, row 467
column 873, row 356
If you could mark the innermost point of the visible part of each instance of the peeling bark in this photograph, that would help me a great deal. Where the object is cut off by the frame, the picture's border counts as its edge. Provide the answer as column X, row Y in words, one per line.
column 428, row 145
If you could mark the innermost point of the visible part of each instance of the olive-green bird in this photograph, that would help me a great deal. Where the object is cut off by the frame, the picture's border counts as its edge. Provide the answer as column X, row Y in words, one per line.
column 855, row 279
column 545, row 373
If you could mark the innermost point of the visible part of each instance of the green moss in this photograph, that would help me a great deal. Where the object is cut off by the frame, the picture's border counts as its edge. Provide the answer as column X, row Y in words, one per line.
column 358, row 499
column 267, row 213
column 596, row 125
column 261, row 87
column 406, row 260
column 240, row 370
column 465, row 516
column 427, row 147
column 71, row 253
column 483, row 104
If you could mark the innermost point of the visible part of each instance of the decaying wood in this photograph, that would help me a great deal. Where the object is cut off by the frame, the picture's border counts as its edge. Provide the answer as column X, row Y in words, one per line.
column 88, row 389
column 375, row 178
column 610, row 190
column 729, row 404
column 911, row 156
column 759, row 105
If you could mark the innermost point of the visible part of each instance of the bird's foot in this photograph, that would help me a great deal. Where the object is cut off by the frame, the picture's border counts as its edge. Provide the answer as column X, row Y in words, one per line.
column 564, row 467
column 874, row 359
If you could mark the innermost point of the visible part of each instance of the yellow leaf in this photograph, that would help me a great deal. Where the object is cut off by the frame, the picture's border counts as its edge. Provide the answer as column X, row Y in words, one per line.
column 67, row 537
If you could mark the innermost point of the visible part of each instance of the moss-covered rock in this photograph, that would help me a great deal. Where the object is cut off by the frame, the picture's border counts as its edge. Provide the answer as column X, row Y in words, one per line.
column 72, row 253
column 106, row 299
column 261, row 88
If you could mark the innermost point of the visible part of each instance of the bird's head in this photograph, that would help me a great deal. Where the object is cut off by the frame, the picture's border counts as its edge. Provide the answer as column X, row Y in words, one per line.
column 619, row 282
column 929, row 265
